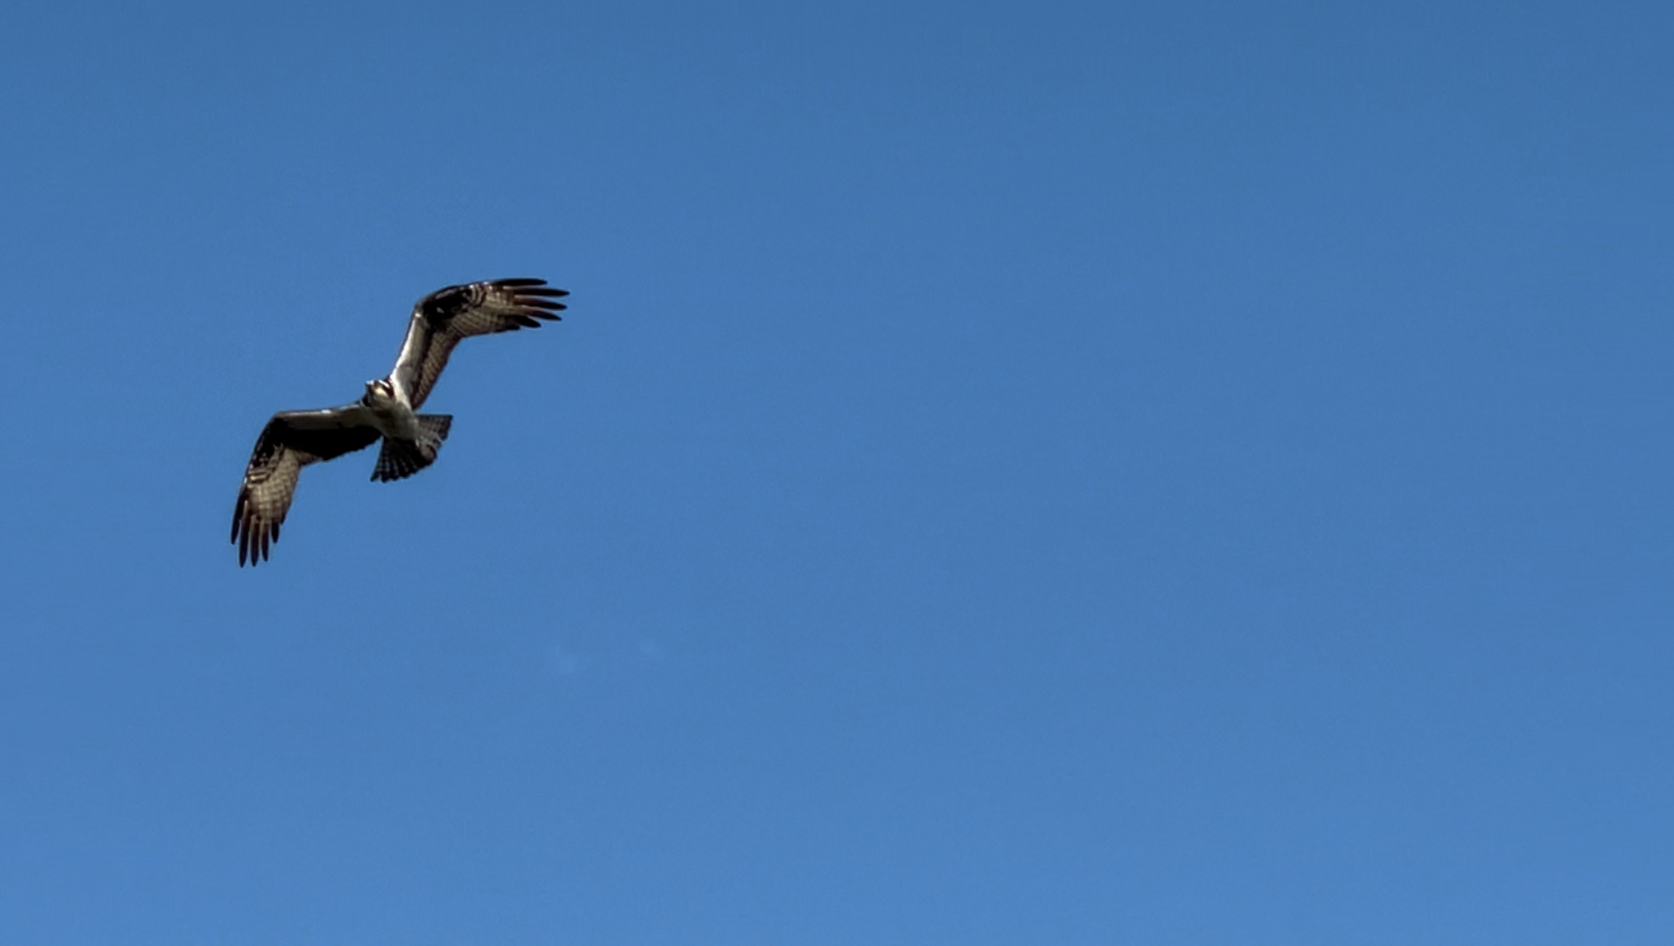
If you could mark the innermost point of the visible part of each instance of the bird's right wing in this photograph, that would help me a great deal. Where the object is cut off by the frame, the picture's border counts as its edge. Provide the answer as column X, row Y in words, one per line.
column 289, row 442
column 448, row 316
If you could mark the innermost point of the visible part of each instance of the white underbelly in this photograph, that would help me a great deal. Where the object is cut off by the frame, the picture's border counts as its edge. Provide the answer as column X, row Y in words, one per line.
column 396, row 420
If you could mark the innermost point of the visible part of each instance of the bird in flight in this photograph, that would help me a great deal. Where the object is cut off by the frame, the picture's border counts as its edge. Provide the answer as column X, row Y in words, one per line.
column 388, row 410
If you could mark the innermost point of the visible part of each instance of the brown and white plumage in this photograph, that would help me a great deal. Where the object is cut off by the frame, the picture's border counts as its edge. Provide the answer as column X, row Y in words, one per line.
column 294, row 439
column 443, row 319
column 289, row 442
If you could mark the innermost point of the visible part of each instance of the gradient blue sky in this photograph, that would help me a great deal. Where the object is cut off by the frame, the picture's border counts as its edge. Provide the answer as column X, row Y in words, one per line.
column 1012, row 473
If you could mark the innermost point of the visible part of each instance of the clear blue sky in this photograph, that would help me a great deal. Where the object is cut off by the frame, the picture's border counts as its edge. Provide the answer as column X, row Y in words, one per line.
column 1011, row 473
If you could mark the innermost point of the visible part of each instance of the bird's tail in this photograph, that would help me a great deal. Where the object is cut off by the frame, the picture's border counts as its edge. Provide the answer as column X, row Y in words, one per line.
column 400, row 459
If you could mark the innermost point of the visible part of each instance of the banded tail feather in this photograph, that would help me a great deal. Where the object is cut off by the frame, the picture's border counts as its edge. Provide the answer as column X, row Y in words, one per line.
column 400, row 459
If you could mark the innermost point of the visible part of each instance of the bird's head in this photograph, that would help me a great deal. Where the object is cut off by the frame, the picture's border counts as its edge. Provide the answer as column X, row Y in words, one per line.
column 380, row 390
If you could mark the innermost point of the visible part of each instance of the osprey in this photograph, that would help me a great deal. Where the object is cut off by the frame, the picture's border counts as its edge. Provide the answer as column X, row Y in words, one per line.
column 388, row 410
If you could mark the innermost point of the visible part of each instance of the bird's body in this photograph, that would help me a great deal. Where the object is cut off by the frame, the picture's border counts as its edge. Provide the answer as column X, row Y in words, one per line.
column 392, row 414
column 388, row 411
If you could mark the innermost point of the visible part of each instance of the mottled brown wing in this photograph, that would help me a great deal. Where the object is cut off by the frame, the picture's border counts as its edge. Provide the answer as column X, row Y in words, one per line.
column 443, row 319
column 289, row 442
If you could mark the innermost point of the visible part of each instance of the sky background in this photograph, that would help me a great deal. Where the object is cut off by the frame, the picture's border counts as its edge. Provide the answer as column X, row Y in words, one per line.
column 1157, row 473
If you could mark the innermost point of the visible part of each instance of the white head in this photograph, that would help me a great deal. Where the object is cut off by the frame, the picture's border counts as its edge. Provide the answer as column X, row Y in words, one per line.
column 379, row 390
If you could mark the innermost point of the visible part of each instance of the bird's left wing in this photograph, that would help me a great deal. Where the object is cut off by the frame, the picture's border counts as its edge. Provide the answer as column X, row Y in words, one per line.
column 289, row 442
column 447, row 317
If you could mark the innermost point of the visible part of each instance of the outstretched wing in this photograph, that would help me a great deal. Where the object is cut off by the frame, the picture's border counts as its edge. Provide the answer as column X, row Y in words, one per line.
column 289, row 442
column 443, row 319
